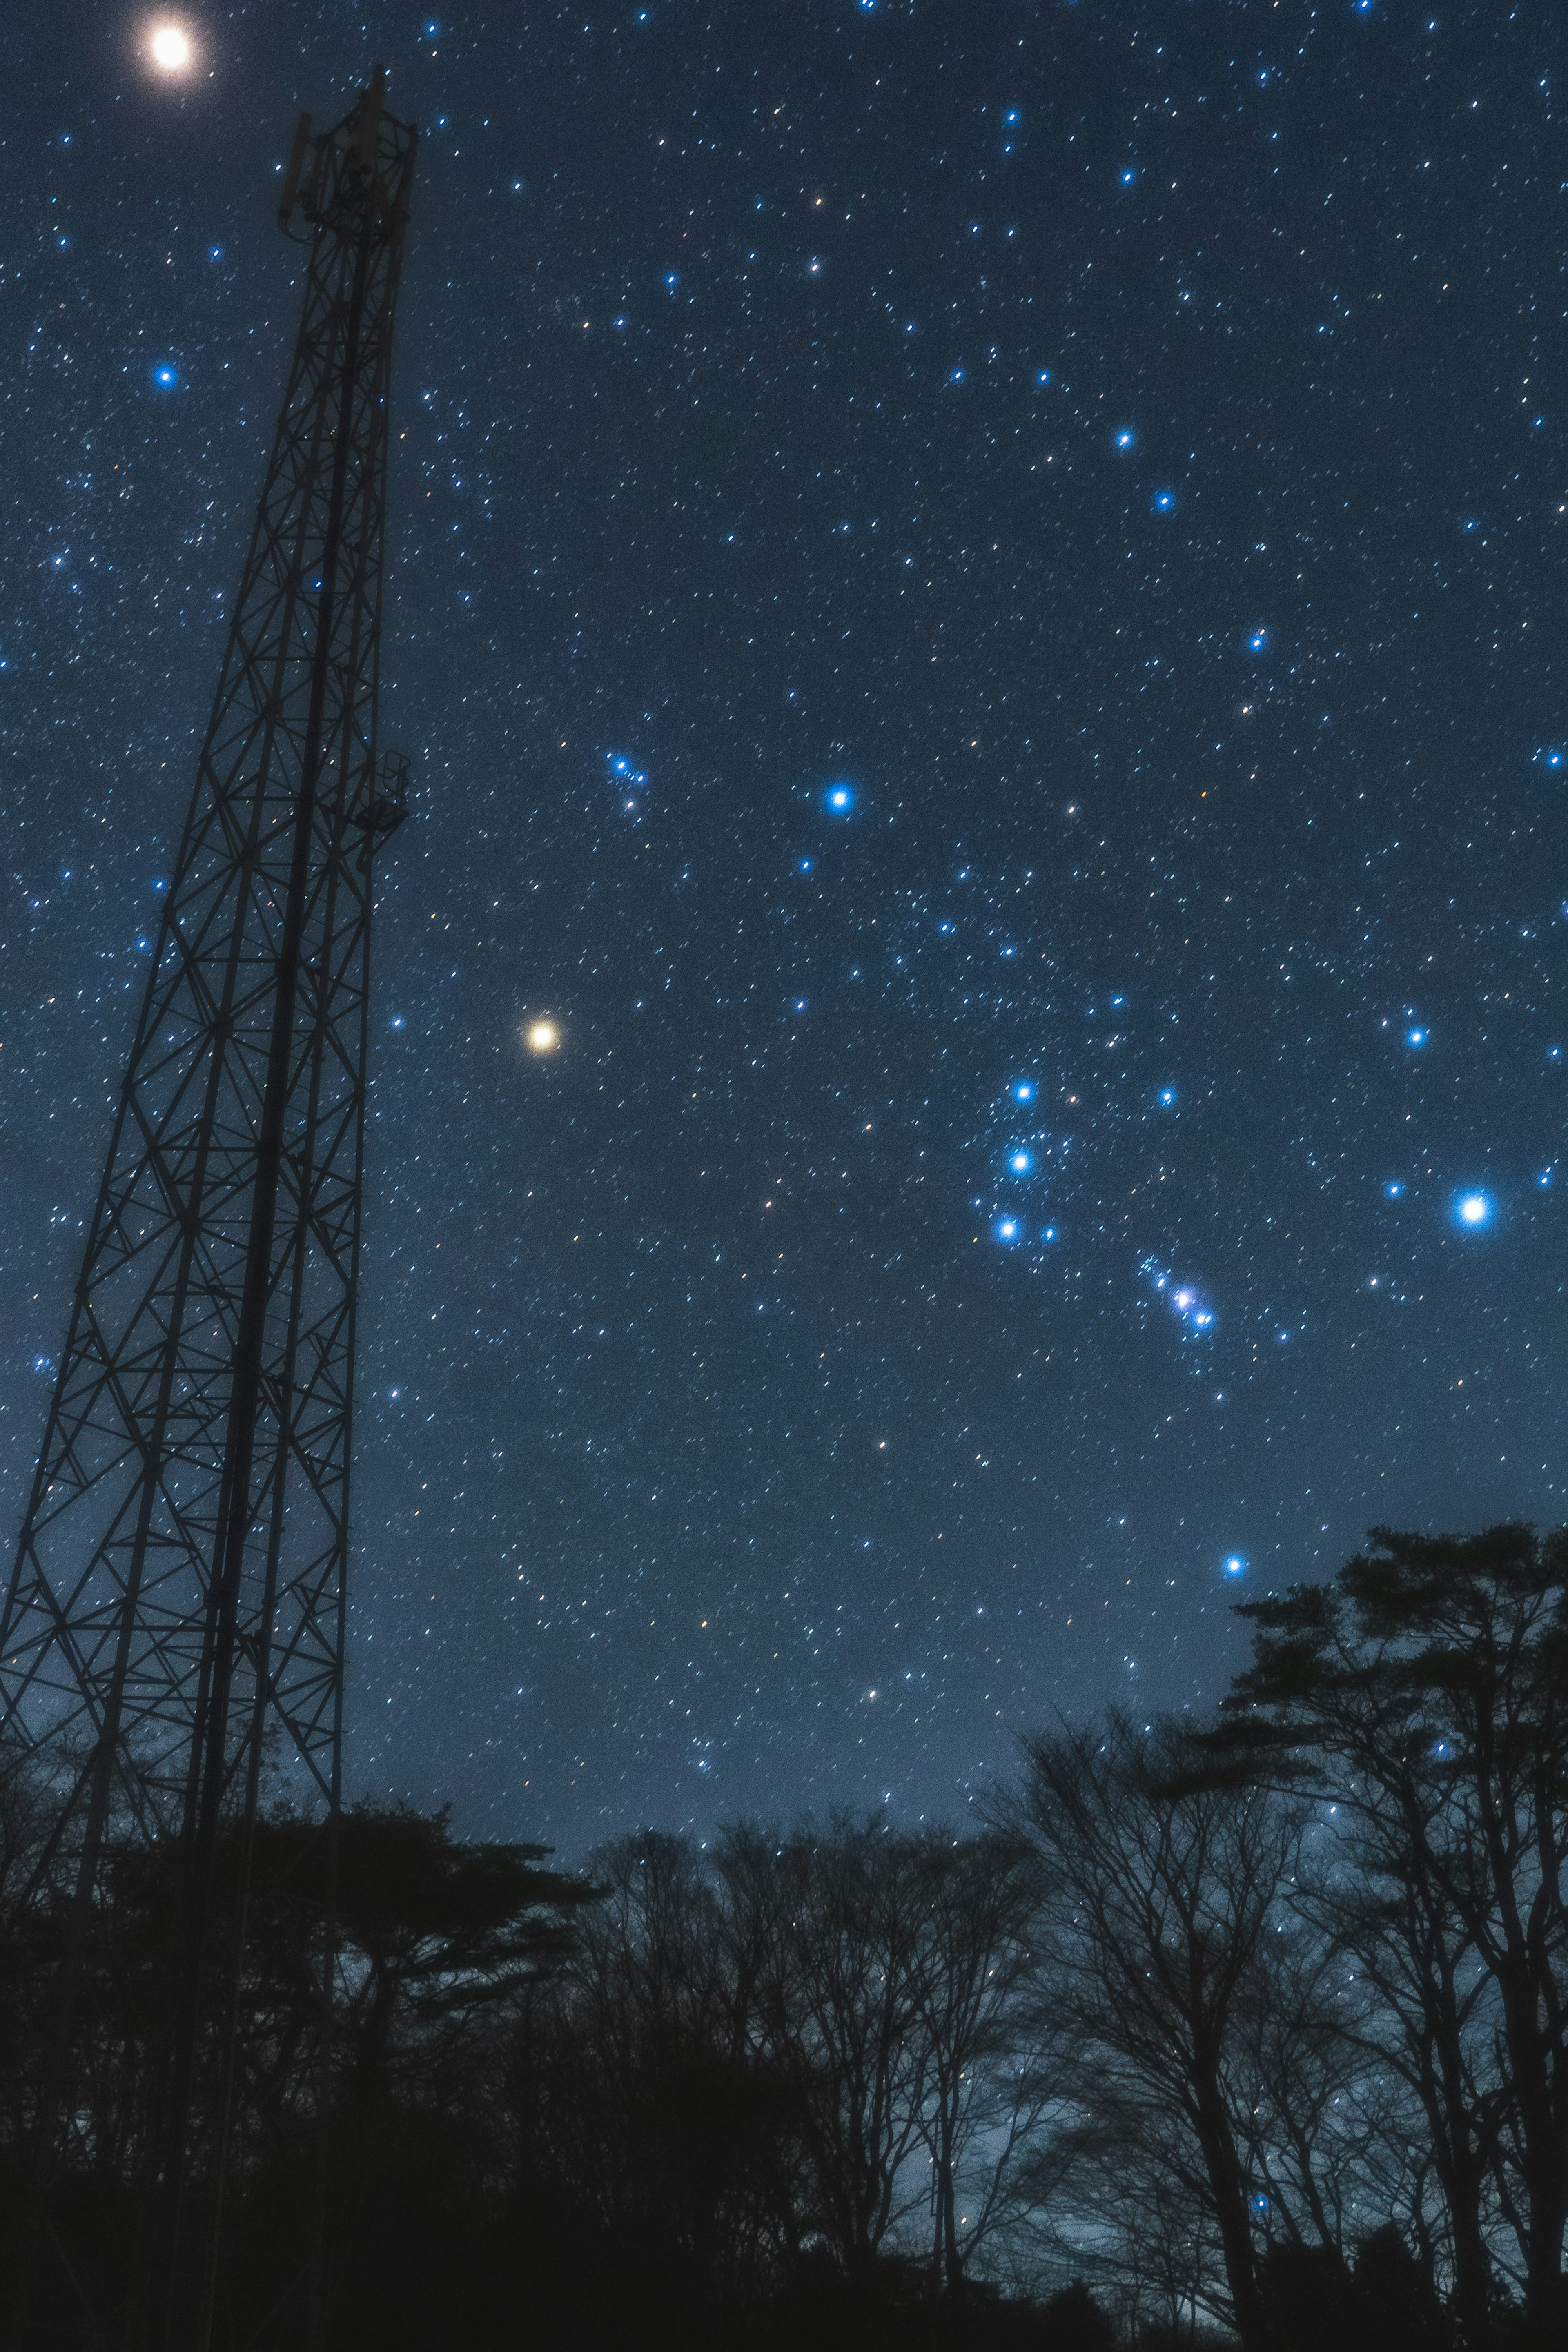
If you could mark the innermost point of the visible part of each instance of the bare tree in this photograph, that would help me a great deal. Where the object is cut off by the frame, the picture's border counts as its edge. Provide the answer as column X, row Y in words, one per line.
column 839, row 1928
column 1425, row 1691
column 1156, row 1901
column 976, row 1897
column 644, row 2092
column 1119, row 2199
column 1308, row 2039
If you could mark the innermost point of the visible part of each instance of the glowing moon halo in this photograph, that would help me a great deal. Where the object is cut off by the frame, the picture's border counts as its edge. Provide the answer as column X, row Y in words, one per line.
column 541, row 1036
column 170, row 48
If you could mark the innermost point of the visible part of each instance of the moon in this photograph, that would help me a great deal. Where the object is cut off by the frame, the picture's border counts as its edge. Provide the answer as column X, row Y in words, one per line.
column 170, row 48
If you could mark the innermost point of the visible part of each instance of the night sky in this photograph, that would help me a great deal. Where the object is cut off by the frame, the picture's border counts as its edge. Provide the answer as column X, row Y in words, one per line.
column 977, row 602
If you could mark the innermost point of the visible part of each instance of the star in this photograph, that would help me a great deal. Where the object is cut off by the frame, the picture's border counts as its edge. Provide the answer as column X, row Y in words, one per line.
column 169, row 47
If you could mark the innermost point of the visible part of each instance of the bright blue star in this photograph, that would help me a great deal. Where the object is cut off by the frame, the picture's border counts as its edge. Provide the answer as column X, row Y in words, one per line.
column 1044, row 376
column 1415, row 1037
column 166, row 375
column 1023, row 1090
column 1545, row 1177
column 1126, row 438
column 806, row 864
column 1394, row 1191
column 839, row 799
column 1128, row 177
column 1168, row 1095
column 1164, row 501
column 1257, row 640
column 1007, row 1229
column 1235, row 1565
column 1049, row 1235
column 1473, row 1208
column 1020, row 1163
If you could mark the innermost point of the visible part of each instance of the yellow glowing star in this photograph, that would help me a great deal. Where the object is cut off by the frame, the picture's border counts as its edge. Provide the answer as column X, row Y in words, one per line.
column 542, row 1036
column 170, row 48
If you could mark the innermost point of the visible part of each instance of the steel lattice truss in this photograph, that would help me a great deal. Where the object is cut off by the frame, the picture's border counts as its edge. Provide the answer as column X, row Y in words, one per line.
column 178, row 1597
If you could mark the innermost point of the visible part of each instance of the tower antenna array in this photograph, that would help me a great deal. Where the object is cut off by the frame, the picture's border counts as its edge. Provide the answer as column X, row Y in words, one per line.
column 177, row 1604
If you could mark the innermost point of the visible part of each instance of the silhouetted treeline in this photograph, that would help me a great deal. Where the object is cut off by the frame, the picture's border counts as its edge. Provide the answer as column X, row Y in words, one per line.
column 1254, row 2028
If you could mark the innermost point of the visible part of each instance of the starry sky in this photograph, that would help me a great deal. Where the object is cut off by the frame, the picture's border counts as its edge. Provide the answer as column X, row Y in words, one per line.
column 976, row 604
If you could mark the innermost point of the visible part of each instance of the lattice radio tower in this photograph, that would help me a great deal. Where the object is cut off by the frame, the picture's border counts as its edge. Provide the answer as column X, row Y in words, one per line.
column 177, row 1604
